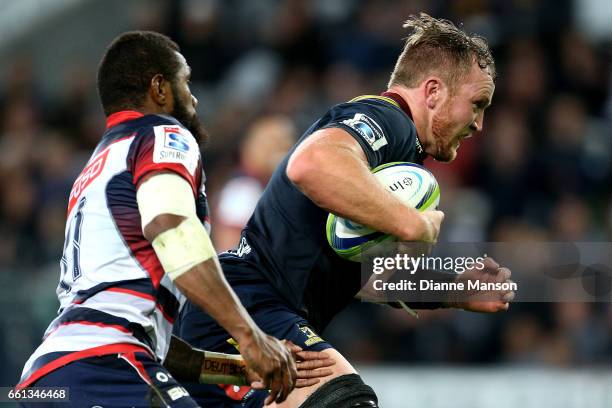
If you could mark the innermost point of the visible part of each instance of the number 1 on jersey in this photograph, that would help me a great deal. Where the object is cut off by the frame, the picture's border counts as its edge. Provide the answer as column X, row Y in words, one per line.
column 75, row 232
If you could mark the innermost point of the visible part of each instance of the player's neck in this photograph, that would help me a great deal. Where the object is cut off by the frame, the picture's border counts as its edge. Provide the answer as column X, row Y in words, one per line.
column 419, row 113
column 149, row 107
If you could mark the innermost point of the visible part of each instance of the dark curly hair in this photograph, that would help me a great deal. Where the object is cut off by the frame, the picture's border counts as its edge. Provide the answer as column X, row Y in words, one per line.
column 128, row 65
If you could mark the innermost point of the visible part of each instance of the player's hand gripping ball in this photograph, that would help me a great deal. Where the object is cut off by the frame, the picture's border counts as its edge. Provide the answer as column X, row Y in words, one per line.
column 412, row 184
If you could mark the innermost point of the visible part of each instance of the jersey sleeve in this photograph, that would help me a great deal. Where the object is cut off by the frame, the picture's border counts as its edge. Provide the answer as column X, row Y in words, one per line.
column 384, row 133
column 166, row 147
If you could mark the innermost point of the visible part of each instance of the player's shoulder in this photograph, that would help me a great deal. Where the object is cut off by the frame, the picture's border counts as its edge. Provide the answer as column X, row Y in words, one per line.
column 165, row 131
column 166, row 139
column 379, row 120
column 374, row 108
column 376, row 103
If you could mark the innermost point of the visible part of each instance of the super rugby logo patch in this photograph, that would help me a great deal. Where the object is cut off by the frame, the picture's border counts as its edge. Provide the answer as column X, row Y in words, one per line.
column 174, row 140
column 368, row 129
column 174, row 144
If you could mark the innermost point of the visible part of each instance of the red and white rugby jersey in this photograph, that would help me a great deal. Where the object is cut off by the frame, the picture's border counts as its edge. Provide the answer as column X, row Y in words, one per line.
column 113, row 292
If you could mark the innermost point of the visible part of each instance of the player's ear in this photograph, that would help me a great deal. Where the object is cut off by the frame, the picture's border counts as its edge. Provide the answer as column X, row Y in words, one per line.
column 160, row 90
column 433, row 89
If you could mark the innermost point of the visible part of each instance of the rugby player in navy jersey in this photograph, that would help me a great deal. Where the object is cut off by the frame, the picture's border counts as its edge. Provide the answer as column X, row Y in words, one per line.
column 284, row 271
column 137, row 244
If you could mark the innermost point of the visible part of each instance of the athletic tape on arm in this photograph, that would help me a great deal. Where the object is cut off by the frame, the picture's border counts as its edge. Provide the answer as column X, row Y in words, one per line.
column 164, row 193
column 183, row 247
column 221, row 368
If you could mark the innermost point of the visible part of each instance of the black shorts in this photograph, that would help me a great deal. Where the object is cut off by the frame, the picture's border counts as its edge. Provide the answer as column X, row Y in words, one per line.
column 271, row 314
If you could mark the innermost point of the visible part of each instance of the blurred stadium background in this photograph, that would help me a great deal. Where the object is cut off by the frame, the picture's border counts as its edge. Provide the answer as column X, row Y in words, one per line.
column 263, row 70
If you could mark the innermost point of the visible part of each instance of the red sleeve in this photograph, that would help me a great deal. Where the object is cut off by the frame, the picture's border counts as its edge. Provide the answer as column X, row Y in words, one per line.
column 166, row 148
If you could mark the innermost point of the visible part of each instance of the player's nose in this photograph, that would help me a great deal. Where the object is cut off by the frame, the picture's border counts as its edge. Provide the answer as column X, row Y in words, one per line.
column 194, row 101
column 476, row 126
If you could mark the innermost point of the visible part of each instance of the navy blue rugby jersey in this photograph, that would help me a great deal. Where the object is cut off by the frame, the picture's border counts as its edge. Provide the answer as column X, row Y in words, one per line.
column 284, row 241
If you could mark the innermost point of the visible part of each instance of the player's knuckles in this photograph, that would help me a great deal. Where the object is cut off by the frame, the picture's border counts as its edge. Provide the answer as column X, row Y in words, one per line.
column 312, row 355
column 306, row 365
column 307, row 374
column 490, row 263
column 504, row 273
column 316, row 373
column 311, row 364
column 328, row 362
column 324, row 372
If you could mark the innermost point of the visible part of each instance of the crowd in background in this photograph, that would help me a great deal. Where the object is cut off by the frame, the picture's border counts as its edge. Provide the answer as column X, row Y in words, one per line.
column 263, row 71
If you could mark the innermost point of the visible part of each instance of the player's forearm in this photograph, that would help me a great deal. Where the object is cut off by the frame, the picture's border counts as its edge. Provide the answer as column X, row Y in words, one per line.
column 206, row 286
column 188, row 258
column 186, row 252
column 333, row 173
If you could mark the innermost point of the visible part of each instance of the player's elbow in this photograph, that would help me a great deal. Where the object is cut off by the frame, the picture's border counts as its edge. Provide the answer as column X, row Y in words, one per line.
column 312, row 174
column 300, row 168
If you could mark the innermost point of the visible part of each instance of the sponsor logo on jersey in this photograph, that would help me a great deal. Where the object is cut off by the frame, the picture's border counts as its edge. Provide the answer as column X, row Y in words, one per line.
column 177, row 393
column 174, row 144
column 174, row 140
column 89, row 174
column 311, row 336
column 162, row 377
column 418, row 145
column 368, row 129
column 244, row 248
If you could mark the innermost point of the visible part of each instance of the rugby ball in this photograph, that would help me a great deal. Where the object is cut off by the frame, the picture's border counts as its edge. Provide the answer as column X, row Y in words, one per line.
column 414, row 185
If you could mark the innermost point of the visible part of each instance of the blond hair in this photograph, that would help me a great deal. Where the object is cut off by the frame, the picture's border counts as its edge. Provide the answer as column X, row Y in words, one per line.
column 438, row 47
